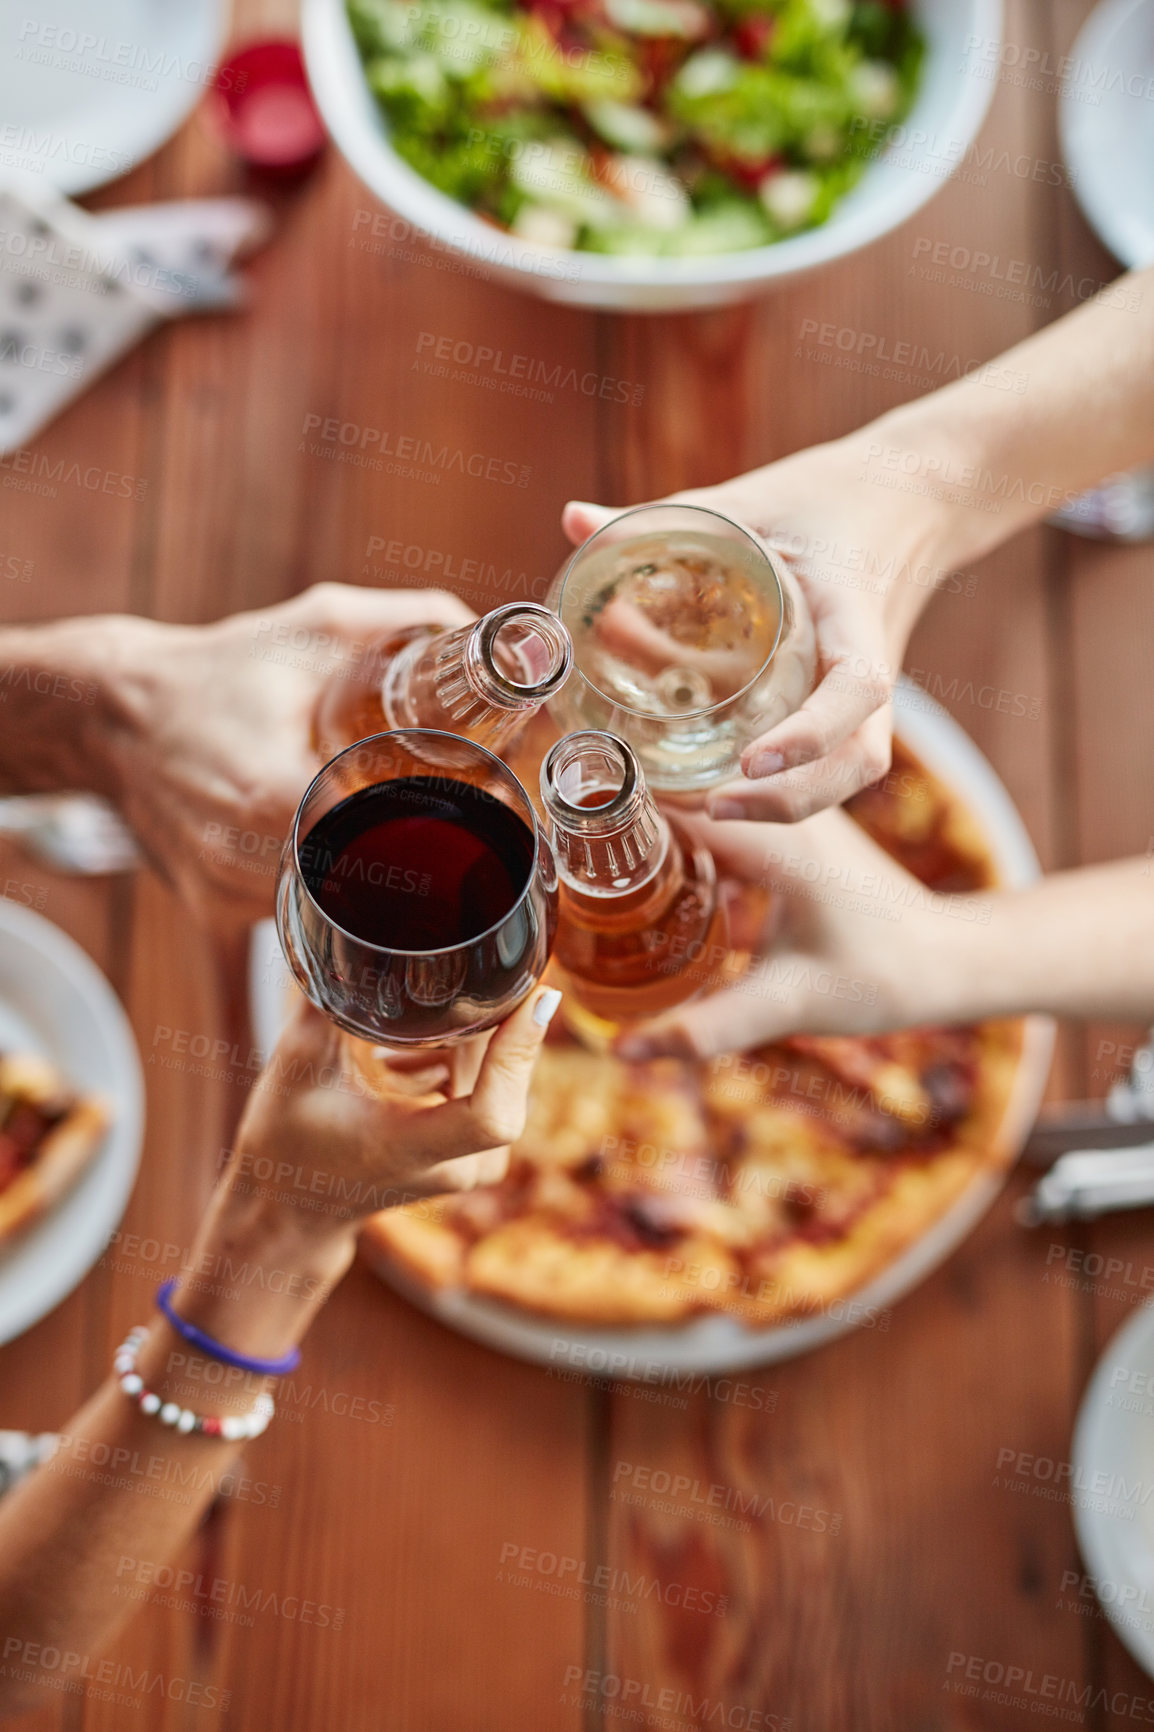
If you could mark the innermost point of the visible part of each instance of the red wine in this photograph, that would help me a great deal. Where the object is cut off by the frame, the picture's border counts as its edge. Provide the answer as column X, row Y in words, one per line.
column 422, row 863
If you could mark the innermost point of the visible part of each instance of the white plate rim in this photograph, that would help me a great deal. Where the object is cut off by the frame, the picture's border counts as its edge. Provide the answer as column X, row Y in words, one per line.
column 92, row 1218
column 1092, row 185
column 152, row 127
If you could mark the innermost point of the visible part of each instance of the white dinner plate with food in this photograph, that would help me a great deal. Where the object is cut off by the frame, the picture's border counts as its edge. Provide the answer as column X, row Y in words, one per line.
column 1106, row 121
column 55, row 1003
column 1112, row 1484
column 88, row 91
column 723, row 1341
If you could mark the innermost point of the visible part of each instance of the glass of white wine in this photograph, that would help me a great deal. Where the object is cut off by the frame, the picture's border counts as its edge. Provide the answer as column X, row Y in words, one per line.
column 690, row 639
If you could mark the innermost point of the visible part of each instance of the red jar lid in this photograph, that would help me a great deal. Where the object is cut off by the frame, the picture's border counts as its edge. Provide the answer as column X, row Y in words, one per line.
column 266, row 109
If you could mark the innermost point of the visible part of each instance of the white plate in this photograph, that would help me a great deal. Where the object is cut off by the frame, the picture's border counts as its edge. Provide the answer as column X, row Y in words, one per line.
column 1106, row 120
column 962, row 37
column 722, row 1344
column 89, row 88
column 1112, row 1463
column 55, row 1001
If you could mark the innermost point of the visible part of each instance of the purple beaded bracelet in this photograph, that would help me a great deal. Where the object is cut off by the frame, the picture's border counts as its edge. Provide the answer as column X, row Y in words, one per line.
column 216, row 1349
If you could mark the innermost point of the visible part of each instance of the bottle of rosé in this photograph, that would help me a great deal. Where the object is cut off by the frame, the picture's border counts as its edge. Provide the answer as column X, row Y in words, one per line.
column 483, row 681
column 640, row 927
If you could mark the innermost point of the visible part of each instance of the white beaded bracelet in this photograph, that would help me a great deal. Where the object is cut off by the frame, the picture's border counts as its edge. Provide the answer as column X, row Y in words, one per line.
column 234, row 1428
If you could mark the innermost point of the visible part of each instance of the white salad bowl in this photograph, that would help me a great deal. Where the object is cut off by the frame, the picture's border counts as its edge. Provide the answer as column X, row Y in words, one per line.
column 957, row 80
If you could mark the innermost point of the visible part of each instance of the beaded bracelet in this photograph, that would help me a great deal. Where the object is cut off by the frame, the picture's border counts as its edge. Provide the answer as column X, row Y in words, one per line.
column 234, row 1428
column 217, row 1349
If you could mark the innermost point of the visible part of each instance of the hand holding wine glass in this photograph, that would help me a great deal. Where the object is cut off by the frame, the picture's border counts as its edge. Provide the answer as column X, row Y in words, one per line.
column 377, row 1150
column 66, row 1530
column 688, row 636
column 871, row 523
column 811, row 509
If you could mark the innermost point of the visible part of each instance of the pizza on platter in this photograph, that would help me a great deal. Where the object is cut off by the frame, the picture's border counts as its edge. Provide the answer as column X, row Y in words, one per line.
column 767, row 1186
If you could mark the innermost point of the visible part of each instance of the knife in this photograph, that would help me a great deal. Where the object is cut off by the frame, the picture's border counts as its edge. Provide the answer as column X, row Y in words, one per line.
column 1080, row 1125
column 1095, row 1163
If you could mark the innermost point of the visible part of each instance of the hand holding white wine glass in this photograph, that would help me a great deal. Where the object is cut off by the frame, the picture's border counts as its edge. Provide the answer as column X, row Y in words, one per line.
column 689, row 641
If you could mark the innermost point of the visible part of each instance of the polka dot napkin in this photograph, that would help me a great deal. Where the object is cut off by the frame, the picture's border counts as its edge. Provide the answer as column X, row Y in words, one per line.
column 77, row 290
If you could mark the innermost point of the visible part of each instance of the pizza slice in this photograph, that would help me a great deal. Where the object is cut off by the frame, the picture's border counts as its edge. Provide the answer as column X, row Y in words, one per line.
column 911, row 1084
column 932, row 833
column 49, row 1135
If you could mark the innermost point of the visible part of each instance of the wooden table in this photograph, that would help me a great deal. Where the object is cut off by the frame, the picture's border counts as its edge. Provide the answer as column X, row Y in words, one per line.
column 405, row 1517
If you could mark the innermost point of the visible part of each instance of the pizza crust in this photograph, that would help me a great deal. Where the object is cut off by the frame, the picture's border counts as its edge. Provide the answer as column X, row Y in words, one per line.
column 66, row 1152
column 590, row 1281
column 419, row 1244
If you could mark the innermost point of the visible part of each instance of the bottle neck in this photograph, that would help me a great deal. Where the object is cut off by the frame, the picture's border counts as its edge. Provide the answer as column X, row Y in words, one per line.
column 609, row 839
column 482, row 680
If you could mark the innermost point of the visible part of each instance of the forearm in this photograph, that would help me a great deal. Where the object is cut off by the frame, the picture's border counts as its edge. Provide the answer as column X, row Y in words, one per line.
column 1043, row 422
column 123, row 1485
column 279, row 1249
column 61, row 702
column 893, row 508
column 1078, row 944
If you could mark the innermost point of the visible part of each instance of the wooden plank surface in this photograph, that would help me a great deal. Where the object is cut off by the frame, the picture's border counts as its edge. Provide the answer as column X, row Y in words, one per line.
column 897, row 1433
column 853, row 1528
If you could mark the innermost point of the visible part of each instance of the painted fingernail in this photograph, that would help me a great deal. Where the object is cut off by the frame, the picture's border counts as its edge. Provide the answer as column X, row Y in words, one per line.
column 765, row 764
column 723, row 809
column 545, row 1008
column 597, row 514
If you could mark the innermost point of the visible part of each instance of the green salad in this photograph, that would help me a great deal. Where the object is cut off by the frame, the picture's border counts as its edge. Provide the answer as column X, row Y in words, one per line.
column 670, row 128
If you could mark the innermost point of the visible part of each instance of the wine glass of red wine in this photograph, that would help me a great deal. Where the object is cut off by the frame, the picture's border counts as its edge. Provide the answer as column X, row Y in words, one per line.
column 417, row 898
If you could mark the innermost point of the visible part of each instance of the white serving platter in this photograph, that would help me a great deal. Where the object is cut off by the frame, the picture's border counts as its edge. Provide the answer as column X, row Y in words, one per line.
column 720, row 1344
